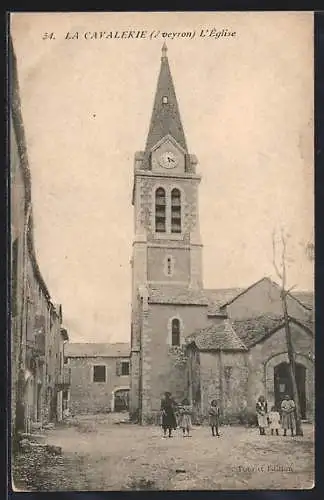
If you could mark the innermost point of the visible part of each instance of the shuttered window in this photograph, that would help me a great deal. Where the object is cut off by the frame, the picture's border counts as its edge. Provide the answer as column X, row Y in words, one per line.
column 99, row 373
column 125, row 368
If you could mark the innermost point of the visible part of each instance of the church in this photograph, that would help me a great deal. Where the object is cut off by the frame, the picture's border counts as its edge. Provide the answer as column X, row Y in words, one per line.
column 198, row 343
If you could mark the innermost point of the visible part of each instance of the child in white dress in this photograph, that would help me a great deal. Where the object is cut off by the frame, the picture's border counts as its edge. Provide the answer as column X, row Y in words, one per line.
column 274, row 419
column 185, row 411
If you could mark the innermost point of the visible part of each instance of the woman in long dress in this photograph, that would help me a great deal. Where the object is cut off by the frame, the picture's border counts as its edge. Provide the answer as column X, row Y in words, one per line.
column 261, row 411
column 288, row 415
column 168, row 416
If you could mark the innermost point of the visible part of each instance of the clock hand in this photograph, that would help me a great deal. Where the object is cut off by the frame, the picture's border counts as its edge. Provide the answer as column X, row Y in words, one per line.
column 170, row 159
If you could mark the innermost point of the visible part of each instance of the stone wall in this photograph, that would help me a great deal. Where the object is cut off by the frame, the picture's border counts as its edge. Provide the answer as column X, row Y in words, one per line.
column 17, row 212
column 264, row 298
column 157, row 265
column 224, row 377
column 145, row 186
column 164, row 367
column 87, row 396
column 264, row 356
column 134, row 395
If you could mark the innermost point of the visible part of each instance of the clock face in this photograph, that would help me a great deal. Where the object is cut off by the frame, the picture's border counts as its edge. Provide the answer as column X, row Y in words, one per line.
column 168, row 160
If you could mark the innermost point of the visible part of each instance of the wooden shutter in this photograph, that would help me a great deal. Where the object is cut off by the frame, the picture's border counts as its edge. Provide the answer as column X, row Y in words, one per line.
column 118, row 367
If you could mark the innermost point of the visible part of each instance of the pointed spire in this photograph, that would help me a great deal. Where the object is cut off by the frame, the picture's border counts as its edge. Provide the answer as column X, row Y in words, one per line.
column 164, row 50
column 165, row 116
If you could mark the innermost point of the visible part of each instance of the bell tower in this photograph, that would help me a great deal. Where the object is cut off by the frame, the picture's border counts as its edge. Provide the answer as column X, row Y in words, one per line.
column 167, row 245
column 167, row 249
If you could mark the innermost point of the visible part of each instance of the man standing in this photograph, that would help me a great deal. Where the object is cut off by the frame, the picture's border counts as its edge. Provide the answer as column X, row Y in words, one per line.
column 288, row 415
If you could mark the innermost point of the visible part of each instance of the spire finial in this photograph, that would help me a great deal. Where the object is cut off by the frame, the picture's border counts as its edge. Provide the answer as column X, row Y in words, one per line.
column 164, row 50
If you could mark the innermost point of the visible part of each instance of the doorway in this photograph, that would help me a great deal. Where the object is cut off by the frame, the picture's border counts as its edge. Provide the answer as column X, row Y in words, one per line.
column 283, row 385
column 121, row 400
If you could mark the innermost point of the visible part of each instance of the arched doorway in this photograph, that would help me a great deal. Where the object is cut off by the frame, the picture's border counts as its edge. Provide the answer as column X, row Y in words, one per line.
column 282, row 384
column 121, row 399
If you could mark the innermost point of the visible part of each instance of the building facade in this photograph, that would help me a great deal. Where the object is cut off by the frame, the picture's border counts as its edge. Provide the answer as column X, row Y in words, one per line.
column 100, row 380
column 183, row 337
column 36, row 323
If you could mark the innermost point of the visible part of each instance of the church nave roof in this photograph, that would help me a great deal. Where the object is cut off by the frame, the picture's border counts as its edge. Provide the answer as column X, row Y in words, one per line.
column 217, row 337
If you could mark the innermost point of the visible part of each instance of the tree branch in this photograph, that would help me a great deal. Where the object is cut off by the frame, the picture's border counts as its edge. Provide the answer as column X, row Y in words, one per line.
column 274, row 256
column 283, row 258
column 287, row 292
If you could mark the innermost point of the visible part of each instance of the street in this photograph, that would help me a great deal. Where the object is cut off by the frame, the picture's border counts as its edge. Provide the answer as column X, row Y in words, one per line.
column 99, row 453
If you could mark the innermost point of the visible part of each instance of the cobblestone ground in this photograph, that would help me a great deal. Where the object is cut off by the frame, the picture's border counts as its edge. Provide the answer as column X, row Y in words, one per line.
column 100, row 454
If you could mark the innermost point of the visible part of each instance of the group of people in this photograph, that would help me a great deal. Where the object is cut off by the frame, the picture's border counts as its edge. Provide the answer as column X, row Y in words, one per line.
column 170, row 410
column 285, row 417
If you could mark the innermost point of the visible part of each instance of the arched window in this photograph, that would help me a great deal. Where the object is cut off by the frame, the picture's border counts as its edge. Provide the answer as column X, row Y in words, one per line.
column 175, row 331
column 160, row 207
column 175, row 211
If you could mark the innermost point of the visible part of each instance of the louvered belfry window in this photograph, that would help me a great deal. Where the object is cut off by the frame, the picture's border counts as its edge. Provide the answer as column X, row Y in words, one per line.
column 175, row 327
column 175, row 211
column 160, row 210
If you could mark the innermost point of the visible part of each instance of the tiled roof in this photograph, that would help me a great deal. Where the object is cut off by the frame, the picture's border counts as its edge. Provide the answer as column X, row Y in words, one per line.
column 171, row 294
column 214, row 298
column 165, row 118
column 253, row 330
column 218, row 297
column 217, row 337
column 93, row 350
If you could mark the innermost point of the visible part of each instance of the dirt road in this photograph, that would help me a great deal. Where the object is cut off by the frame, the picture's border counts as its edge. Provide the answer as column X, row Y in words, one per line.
column 99, row 454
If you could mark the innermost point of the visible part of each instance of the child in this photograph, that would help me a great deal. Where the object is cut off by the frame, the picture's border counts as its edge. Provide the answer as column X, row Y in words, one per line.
column 214, row 417
column 185, row 412
column 274, row 419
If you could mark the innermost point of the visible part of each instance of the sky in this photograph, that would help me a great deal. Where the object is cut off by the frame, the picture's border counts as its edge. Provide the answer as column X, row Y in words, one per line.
column 246, row 103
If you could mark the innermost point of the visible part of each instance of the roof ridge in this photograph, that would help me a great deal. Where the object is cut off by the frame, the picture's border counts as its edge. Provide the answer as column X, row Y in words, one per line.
column 305, row 306
column 244, row 290
column 235, row 334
